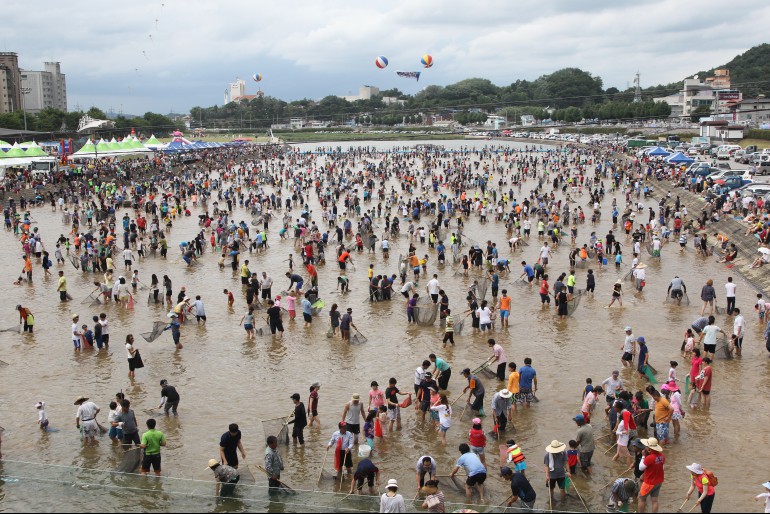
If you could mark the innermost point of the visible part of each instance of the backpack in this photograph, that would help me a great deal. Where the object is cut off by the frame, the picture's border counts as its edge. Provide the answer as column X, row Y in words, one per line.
column 712, row 478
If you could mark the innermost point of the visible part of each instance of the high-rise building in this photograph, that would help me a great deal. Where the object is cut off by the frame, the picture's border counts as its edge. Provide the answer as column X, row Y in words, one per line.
column 44, row 89
column 10, row 82
column 236, row 90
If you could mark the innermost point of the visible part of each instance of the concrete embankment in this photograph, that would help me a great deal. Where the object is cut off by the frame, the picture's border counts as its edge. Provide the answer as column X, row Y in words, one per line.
column 729, row 226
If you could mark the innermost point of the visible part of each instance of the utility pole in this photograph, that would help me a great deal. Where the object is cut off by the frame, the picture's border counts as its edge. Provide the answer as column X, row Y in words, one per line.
column 637, row 88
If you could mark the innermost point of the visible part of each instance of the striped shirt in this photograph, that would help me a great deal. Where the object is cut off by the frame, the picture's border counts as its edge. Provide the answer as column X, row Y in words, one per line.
column 450, row 324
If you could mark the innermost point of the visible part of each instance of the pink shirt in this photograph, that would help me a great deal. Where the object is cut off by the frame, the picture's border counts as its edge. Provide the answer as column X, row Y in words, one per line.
column 377, row 398
column 290, row 303
column 499, row 354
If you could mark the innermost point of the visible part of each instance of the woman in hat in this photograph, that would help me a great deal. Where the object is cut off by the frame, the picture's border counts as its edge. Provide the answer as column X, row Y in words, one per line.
column 704, row 482
column 617, row 293
column 555, row 462
column 652, row 466
column 391, row 501
column 434, row 502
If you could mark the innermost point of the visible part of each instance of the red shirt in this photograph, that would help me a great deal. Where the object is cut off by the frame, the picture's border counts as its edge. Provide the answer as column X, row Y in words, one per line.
column 653, row 475
column 707, row 379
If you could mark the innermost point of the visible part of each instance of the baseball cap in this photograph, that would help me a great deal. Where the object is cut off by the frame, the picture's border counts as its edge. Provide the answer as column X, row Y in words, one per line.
column 295, row 396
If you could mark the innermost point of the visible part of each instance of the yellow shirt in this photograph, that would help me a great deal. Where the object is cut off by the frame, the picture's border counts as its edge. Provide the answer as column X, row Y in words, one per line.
column 62, row 284
column 513, row 382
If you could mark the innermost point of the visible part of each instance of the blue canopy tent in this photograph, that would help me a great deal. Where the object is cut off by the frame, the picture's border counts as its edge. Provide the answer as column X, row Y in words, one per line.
column 658, row 152
column 679, row 158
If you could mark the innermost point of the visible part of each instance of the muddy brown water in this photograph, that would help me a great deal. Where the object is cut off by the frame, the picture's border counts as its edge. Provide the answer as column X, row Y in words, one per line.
column 224, row 378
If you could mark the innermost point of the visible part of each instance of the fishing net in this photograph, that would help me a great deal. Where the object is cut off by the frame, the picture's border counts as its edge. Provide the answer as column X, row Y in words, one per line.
column 459, row 326
column 483, row 366
column 426, row 313
column 3, row 364
column 521, row 282
column 130, row 462
column 358, row 338
column 263, row 331
column 330, row 333
column 671, row 299
column 629, row 276
column 92, row 299
column 75, row 261
column 157, row 329
column 573, row 304
column 246, row 476
column 648, row 247
column 456, row 256
column 14, row 328
column 278, row 428
column 482, row 288
column 724, row 349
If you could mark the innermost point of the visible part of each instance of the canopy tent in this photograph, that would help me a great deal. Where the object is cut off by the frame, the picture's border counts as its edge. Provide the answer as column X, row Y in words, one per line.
column 4, row 144
column 679, row 158
column 15, row 152
column 176, row 146
column 34, row 150
column 658, row 152
column 153, row 142
column 112, row 149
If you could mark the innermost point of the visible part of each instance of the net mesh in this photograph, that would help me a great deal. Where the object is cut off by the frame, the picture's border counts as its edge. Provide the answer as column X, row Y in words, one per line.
column 358, row 338
column 482, row 288
column 724, row 350
column 92, row 299
column 573, row 304
column 75, row 261
column 157, row 329
column 278, row 428
column 671, row 298
column 130, row 462
column 263, row 331
column 459, row 326
column 426, row 313
column 648, row 247
column 317, row 307
column 14, row 328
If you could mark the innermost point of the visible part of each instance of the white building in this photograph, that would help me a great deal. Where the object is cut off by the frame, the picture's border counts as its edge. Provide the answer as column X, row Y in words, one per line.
column 297, row 123
column 714, row 93
column 44, row 89
column 236, row 90
column 495, row 122
column 364, row 93
column 528, row 120
column 753, row 112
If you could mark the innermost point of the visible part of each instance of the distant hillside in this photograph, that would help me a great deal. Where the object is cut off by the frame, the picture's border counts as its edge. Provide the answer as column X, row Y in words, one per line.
column 750, row 71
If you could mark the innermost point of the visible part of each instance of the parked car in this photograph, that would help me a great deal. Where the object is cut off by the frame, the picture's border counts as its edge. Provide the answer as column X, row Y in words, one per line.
column 727, row 184
column 725, row 151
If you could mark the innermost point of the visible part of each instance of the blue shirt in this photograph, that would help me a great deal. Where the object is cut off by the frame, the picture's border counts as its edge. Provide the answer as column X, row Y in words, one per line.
column 526, row 375
column 471, row 463
column 529, row 271
column 307, row 307
column 441, row 364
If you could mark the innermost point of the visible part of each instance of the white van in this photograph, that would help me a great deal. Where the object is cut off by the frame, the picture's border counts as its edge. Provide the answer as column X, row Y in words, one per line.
column 725, row 151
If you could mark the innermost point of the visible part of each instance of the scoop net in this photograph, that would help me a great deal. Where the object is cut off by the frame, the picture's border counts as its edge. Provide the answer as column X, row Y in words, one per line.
column 483, row 287
column 426, row 313
column 157, row 329
column 459, row 326
column 130, row 462
column 278, row 428
column 573, row 304
column 358, row 338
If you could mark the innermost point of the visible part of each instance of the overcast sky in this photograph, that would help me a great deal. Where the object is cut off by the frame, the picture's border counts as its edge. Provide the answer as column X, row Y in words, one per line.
column 167, row 54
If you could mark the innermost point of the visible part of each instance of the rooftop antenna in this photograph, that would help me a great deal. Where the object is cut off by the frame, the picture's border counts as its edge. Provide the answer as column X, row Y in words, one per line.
column 637, row 88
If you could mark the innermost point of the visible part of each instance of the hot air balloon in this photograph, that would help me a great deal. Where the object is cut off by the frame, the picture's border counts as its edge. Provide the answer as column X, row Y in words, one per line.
column 257, row 77
column 381, row 62
column 427, row 61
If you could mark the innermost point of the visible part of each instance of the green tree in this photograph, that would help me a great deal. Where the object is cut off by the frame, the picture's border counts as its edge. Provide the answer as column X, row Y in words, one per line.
column 702, row 111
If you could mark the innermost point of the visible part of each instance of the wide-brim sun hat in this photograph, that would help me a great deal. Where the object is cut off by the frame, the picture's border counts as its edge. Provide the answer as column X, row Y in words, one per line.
column 555, row 447
column 695, row 468
column 392, row 484
column 652, row 444
column 505, row 393
column 80, row 399
column 212, row 463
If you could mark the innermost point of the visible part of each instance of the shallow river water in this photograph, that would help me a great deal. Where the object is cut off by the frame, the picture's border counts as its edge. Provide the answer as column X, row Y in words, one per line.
column 223, row 378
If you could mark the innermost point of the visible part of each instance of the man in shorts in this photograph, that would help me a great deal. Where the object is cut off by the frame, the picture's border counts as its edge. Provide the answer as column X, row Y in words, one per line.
column 709, row 337
column 426, row 465
column 152, row 440
column 629, row 349
column 556, row 469
column 366, row 471
column 652, row 464
column 474, row 470
column 504, row 305
column 391, row 400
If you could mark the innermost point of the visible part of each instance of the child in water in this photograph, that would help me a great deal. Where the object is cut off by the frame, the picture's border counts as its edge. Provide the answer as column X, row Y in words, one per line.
column 42, row 419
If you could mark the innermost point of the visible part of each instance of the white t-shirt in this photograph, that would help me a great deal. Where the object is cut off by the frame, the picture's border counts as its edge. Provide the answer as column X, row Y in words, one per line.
column 589, row 402
column 628, row 345
column 105, row 326
column 75, row 332
column 129, row 349
column 128, row 255
column 739, row 325
column 710, row 334
column 41, row 417
column 730, row 288
column 622, row 438
column 545, row 252
column 444, row 415
column 433, row 286
column 484, row 315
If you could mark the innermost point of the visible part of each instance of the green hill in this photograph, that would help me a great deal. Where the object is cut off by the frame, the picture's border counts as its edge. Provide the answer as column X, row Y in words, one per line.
column 750, row 71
